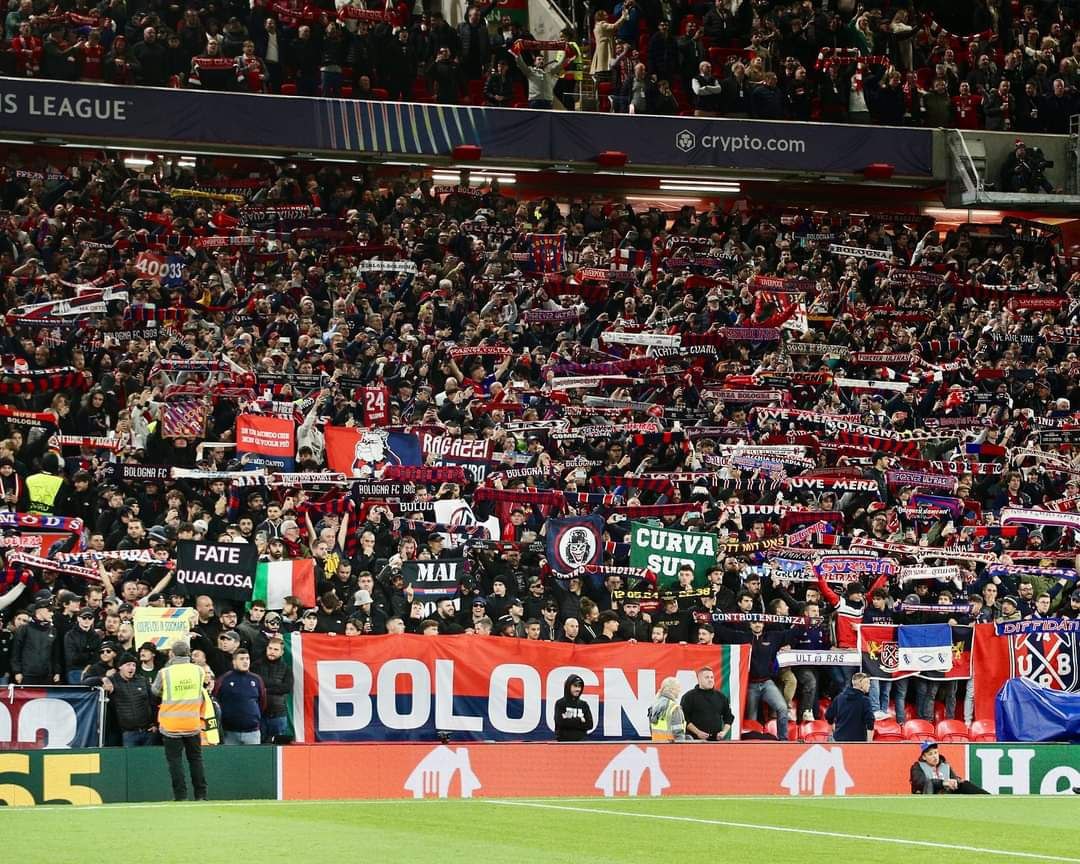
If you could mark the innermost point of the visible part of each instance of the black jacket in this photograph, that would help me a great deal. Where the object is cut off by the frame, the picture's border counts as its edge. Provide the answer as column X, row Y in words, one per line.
column 573, row 717
column 762, row 648
column 278, row 678
column 80, row 648
column 34, row 653
column 708, row 710
column 850, row 715
column 132, row 704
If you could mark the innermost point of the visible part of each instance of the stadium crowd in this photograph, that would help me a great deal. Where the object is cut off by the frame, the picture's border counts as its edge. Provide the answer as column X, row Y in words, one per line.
column 767, row 378
column 983, row 64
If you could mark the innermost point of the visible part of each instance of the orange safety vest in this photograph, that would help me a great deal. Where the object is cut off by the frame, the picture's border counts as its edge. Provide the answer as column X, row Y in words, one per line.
column 181, row 699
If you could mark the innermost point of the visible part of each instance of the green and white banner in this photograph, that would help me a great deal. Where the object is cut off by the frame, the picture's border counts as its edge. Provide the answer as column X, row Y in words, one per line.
column 664, row 550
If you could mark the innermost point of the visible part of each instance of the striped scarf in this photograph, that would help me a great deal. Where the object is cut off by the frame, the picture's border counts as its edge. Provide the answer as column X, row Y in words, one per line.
column 542, row 497
column 423, row 474
column 46, row 383
column 645, row 484
column 475, row 532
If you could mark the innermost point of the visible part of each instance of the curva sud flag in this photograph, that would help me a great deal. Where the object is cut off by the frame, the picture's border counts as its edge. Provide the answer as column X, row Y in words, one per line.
column 882, row 653
column 664, row 550
column 357, row 452
column 1048, row 659
column 574, row 542
column 219, row 570
column 267, row 440
column 410, row 688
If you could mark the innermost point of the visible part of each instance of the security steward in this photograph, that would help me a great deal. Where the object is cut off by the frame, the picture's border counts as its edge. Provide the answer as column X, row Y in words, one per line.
column 47, row 490
column 180, row 720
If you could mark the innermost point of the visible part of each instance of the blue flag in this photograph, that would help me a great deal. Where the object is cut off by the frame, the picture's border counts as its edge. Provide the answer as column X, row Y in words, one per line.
column 925, row 647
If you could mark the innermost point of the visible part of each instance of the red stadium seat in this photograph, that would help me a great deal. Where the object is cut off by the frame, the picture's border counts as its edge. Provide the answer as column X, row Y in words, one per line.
column 815, row 731
column 346, row 91
column 919, row 730
column 983, row 730
column 888, row 730
column 953, row 730
column 288, row 89
column 379, row 93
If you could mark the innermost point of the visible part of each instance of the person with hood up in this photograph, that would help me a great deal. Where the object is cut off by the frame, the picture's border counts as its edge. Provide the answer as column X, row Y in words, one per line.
column 666, row 720
column 573, row 716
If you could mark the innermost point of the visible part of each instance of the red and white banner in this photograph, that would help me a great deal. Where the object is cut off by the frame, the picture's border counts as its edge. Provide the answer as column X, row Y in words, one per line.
column 267, row 436
column 409, row 688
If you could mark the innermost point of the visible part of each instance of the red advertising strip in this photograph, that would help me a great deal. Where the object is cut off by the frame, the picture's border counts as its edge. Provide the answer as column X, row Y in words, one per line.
column 623, row 770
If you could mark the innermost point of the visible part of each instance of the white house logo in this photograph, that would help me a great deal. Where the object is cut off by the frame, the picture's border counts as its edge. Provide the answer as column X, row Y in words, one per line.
column 624, row 773
column 685, row 140
column 435, row 773
column 808, row 774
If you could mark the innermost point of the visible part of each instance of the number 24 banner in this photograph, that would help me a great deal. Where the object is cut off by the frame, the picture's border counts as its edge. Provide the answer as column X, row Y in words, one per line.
column 409, row 688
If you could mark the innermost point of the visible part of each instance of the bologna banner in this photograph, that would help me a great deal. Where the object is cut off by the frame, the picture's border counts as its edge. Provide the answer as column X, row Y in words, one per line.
column 410, row 688
column 50, row 718
column 190, row 116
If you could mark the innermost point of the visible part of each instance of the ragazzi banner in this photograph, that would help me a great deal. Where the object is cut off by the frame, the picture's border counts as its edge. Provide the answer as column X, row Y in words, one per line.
column 409, row 688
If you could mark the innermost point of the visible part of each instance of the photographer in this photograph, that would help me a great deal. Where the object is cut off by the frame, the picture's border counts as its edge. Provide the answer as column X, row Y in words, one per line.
column 1023, row 170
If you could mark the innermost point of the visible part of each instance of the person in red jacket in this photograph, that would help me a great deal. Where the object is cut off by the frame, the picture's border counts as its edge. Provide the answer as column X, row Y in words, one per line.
column 27, row 49
column 967, row 108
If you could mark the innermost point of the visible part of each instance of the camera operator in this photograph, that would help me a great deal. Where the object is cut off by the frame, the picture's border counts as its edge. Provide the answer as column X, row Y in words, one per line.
column 1023, row 170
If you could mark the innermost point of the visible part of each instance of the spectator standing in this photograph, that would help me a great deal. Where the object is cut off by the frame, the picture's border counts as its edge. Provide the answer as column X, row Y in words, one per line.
column 850, row 712
column 666, row 720
column 33, row 651
column 573, row 716
column 475, row 44
column 277, row 677
column 129, row 693
column 242, row 697
column 150, row 61
column 707, row 711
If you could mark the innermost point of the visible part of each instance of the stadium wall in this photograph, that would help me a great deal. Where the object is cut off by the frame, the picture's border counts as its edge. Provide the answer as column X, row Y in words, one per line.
column 413, row 771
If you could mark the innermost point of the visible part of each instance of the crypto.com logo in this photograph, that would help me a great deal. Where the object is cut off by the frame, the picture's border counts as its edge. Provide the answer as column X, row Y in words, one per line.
column 685, row 140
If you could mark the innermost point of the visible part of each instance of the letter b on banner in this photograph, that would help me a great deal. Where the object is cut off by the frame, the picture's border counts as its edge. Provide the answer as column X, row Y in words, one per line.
column 344, row 703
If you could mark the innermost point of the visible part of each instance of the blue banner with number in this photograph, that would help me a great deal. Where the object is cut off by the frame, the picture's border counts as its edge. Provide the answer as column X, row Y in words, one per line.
column 50, row 718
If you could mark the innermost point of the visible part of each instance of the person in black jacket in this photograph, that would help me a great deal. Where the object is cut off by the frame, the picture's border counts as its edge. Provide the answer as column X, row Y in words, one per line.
column 932, row 775
column 573, row 717
column 81, row 645
column 277, row 676
column 850, row 712
column 129, row 694
column 499, row 87
column 763, row 648
column 707, row 710
column 33, row 653
column 631, row 625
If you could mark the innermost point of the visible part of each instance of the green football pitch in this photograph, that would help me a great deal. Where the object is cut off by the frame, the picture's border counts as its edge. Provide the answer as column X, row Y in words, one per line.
column 802, row 830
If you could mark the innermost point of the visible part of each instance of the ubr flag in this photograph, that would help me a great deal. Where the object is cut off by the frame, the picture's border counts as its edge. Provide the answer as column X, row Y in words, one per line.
column 433, row 578
column 925, row 647
column 410, row 688
column 267, row 440
column 883, row 656
column 664, row 550
column 1047, row 659
column 366, row 452
column 220, row 570
column 276, row 580
column 574, row 542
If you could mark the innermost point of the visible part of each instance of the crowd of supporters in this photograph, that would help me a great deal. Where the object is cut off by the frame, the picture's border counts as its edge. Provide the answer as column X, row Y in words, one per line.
column 618, row 360
column 994, row 65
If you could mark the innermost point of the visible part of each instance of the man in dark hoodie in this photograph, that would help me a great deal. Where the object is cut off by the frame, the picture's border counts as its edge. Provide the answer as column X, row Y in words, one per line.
column 33, row 652
column 850, row 712
column 573, row 717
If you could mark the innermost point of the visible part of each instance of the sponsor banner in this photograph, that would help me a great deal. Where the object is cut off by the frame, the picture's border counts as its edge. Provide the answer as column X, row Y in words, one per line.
column 434, row 578
column 1024, row 769
column 267, row 440
column 128, row 774
column 407, row 688
column 664, row 550
column 50, row 718
column 220, row 570
column 163, row 626
column 624, row 770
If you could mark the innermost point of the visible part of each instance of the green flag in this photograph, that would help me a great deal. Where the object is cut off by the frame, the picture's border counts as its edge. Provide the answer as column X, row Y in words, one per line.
column 664, row 550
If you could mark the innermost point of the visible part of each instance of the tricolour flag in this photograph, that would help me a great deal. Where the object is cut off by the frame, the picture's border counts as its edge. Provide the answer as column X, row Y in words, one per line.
column 925, row 647
column 276, row 580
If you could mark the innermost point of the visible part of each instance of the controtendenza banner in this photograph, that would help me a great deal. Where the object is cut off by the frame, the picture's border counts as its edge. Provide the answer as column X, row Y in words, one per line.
column 156, row 114
column 410, row 688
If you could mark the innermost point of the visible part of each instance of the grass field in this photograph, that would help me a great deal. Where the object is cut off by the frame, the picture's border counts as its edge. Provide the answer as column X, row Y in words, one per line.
column 550, row 831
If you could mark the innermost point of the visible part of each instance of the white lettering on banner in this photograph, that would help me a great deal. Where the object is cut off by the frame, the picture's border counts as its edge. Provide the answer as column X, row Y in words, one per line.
column 217, row 554
column 221, row 580
column 344, row 701
column 55, row 717
column 688, row 542
column 994, row 781
column 63, row 106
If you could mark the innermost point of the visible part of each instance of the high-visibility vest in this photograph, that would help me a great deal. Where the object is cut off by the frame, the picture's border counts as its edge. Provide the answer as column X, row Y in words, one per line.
column 210, row 734
column 181, row 699
column 661, row 726
column 42, row 490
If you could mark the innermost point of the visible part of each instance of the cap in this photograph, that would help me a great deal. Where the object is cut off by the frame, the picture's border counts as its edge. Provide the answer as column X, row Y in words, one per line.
column 361, row 597
column 271, row 618
column 231, row 634
column 854, row 588
column 127, row 657
column 927, row 745
column 42, row 604
column 67, row 597
column 107, row 646
column 201, row 525
column 1011, row 599
column 505, row 621
column 87, row 613
column 311, row 613
column 912, row 600
column 479, row 601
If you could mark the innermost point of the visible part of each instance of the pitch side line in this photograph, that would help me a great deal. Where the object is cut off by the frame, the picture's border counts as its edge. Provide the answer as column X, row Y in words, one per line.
column 835, row 835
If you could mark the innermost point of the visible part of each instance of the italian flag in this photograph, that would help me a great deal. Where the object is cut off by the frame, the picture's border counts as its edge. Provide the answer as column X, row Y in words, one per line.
column 276, row 580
